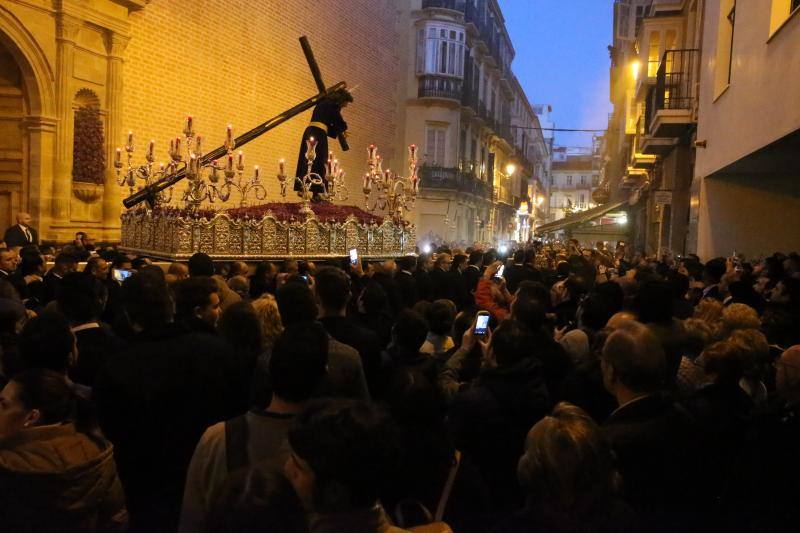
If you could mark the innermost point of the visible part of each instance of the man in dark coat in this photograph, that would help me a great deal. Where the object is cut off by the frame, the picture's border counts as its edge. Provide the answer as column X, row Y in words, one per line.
column 64, row 264
column 654, row 438
column 490, row 417
column 441, row 281
column 404, row 279
column 22, row 234
column 326, row 121
column 156, row 397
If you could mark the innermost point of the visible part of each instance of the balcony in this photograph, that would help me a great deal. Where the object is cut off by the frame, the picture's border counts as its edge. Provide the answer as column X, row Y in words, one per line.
column 453, row 5
column 453, row 179
column 672, row 101
column 447, row 88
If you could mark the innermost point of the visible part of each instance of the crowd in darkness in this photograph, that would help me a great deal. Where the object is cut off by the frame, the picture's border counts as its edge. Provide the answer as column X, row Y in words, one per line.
column 611, row 392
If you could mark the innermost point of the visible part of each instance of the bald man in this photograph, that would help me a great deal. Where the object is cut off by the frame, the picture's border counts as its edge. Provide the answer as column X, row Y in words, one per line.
column 23, row 233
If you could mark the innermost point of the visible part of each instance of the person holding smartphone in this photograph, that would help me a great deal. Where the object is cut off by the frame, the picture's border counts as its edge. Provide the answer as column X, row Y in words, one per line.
column 492, row 294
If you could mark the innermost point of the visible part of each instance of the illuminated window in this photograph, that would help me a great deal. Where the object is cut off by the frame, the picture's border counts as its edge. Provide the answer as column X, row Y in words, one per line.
column 724, row 55
column 569, row 180
column 654, row 54
column 780, row 13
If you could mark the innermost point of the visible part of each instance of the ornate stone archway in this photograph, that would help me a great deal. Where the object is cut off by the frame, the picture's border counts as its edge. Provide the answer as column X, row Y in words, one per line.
column 34, row 152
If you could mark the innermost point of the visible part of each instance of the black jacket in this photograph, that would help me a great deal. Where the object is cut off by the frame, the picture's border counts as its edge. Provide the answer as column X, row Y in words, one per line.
column 657, row 446
column 407, row 289
column 96, row 345
column 348, row 330
column 154, row 400
column 14, row 236
column 442, row 286
column 490, row 418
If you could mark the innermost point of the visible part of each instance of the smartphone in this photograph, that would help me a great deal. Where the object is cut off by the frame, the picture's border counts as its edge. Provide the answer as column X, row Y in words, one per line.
column 121, row 274
column 500, row 271
column 305, row 277
column 481, row 324
column 354, row 257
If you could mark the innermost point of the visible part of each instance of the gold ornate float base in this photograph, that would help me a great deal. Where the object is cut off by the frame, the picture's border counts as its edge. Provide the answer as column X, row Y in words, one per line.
column 172, row 235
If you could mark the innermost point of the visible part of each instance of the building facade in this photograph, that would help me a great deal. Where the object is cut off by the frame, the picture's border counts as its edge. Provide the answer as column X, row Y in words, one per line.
column 746, row 194
column 144, row 65
column 482, row 150
column 574, row 177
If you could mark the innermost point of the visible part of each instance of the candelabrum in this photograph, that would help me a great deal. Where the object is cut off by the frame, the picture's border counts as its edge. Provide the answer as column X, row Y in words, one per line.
column 146, row 173
column 394, row 194
column 211, row 181
column 332, row 185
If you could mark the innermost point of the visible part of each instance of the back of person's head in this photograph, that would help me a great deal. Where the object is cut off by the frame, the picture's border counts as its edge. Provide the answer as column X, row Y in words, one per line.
column 239, row 268
column 299, row 361
column 410, row 330
column 461, row 324
column 333, row 288
column 594, row 312
column 32, row 263
column 239, row 285
column 201, row 264
column 65, row 259
column 46, row 392
column 373, row 299
column 47, row 342
column 533, row 290
column 754, row 352
column 406, row 262
column 179, row 270
column 239, row 325
column 699, row 335
column 529, row 312
column 679, row 283
column 511, row 342
column 714, row 269
column 147, row 301
column 787, row 377
column 709, row 310
column 440, row 316
column 723, row 361
column 636, row 356
column 192, row 293
column 296, row 303
column 612, row 294
column 476, row 258
column 739, row 316
column 654, row 302
column 269, row 318
column 351, row 448
column 519, row 256
column 568, row 462
column 80, row 297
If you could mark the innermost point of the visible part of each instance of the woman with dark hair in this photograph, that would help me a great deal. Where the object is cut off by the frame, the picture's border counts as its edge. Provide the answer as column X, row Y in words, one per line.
column 241, row 328
column 569, row 477
column 374, row 311
column 57, row 473
column 263, row 280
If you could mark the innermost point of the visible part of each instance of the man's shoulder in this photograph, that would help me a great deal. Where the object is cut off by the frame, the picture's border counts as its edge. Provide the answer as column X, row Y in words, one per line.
column 342, row 350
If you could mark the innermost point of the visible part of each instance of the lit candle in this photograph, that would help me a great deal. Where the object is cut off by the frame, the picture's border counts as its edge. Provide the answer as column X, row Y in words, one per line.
column 198, row 147
column 177, row 145
column 151, row 149
column 256, row 172
column 313, row 141
column 192, row 165
column 281, row 167
column 171, row 147
column 230, row 162
column 412, row 151
column 161, row 167
column 241, row 160
column 118, row 157
column 367, row 182
column 229, row 136
column 189, row 123
column 130, row 140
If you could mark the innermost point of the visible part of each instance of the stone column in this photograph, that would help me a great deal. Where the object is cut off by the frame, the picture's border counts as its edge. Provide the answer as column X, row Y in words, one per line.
column 112, row 206
column 40, row 132
column 67, row 29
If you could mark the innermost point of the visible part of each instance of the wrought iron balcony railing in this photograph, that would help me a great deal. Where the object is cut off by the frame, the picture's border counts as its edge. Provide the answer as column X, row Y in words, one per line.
column 435, row 177
column 674, row 88
column 440, row 87
column 455, row 5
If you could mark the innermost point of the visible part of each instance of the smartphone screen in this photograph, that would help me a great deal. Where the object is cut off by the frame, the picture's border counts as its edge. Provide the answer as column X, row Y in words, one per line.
column 482, row 324
column 353, row 256
column 500, row 271
column 121, row 274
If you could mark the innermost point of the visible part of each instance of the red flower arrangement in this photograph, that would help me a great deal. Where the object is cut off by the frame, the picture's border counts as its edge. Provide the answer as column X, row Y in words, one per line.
column 284, row 212
column 88, row 155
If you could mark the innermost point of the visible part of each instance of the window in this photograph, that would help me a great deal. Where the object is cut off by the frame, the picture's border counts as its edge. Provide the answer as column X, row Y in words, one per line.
column 653, row 54
column 583, row 180
column 440, row 50
column 724, row 55
column 780, row 13
column 435, row 145
column 569, row 180
column 582, row 202
column 595, row 181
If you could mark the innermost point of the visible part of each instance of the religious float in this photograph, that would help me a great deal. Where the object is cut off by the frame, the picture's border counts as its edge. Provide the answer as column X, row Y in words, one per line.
column 206, row 216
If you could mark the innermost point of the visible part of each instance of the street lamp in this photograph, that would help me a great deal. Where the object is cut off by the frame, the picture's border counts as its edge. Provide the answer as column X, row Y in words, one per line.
column 510, row 169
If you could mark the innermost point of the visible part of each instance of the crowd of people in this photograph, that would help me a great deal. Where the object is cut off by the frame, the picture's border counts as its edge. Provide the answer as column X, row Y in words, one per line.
column 610, row 392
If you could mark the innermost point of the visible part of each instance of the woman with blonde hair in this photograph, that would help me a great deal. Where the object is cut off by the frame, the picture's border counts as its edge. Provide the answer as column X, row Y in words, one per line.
column 266, row 308
column 570, row 478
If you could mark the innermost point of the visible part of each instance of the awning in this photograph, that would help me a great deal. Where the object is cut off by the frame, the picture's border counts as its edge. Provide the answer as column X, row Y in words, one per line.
column 581, row 217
